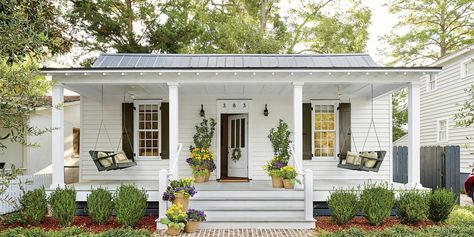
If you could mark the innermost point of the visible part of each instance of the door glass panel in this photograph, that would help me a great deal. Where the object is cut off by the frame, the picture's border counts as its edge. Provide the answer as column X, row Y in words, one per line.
column 237, row 133
column 242, row 133
column 232, row 133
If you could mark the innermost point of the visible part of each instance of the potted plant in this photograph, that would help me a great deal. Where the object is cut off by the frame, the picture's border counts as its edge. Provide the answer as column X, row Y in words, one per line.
column 179, row 192
column 201, row 159
column 280, row 139
column 175, row 219
column 192, row 220
column 273, row 169
column 289, row 175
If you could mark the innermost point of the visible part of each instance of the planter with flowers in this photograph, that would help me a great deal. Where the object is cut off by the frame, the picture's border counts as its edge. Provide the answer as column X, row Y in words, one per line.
column 201, row 159
column 280, row 139
column 175, row 219
column 179, row 192
column 289, row 175
column 192, row 220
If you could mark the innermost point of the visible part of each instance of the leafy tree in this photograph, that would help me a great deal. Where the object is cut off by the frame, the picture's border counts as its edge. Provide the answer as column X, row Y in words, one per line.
column 399, row 114
column 30, row 31
column 429, row 29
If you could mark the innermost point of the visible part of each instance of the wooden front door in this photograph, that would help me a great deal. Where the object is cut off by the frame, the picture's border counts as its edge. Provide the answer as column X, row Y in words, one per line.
column 237, row 135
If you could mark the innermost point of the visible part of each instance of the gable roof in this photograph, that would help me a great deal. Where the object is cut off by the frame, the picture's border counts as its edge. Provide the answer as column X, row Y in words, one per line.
column 232, row 61
column 453, row 55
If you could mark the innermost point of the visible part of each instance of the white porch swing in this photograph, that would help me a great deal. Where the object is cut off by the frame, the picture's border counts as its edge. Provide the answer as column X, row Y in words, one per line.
column 363, row 160
column 110, row 160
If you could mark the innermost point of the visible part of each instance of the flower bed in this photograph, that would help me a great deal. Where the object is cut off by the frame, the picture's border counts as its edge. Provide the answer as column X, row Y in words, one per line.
column 327, row 223
column 86, row 224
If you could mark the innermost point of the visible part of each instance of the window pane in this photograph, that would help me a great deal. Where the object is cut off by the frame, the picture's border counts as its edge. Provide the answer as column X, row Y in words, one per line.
column 324, row 130
column 242, row 133
column 232, row 133
column 237, row 131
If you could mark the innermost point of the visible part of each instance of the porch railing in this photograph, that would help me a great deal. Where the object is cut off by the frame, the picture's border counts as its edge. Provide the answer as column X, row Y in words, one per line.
column 9, row 200
column 163, row 177
column 307, row 186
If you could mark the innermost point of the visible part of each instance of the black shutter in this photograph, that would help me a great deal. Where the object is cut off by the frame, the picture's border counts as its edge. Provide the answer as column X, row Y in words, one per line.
column 127, row 129
column 165, row 144
column 307, row 153
column 344, row 128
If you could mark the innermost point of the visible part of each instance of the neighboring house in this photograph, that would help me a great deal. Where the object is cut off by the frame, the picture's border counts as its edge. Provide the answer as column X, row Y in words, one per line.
column 442, row 96
column 37, row 159
column 156, row 99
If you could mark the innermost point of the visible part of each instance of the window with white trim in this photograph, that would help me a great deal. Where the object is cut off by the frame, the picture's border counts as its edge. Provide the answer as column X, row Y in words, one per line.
column 431, row 82
column 147, row 134
column 467, row 68
column 442, row 130
column 324, row 127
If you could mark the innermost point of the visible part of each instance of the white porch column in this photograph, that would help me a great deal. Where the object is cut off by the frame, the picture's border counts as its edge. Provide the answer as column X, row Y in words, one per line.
column 57, row 137
column 173, row 128
column 414, row 134
column 298, row 123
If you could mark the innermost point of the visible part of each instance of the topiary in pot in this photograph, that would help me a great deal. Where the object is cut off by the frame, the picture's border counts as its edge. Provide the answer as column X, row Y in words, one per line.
column 63, row 205
column 343, row 205
column 100, row 205
column 34, row 206
column 130, row 203
column 441, row 203
column 412, row 206
column 376, row 202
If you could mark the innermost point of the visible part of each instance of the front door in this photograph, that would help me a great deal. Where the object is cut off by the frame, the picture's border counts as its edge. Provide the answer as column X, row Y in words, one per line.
column 237, row 135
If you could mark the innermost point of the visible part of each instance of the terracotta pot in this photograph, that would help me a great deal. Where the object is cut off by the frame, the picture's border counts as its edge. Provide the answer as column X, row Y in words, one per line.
column 277, row 182
column 173, row 231
column 199, row 179
column 207, row 177
column 287, row 184
column 179, row 198
column 191, row 226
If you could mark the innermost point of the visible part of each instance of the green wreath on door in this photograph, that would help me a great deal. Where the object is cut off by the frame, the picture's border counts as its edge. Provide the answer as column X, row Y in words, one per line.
column 236, row 154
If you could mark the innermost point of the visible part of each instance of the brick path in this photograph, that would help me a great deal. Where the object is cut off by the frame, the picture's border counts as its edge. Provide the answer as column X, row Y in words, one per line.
column 246, row 233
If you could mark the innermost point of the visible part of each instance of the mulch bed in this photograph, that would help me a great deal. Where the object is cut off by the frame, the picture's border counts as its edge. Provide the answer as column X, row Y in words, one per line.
column 328, row 224
column 147, row 222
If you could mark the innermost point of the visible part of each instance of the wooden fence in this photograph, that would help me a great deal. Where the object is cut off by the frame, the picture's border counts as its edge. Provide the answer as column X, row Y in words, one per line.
column 439, row 166
column 14, row 192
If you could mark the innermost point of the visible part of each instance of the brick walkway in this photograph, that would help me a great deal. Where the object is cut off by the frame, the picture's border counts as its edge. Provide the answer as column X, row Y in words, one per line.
column 246, row 233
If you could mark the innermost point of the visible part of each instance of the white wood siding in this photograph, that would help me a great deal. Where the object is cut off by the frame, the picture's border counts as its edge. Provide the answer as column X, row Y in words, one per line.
column 280, row 107
column 445, row 102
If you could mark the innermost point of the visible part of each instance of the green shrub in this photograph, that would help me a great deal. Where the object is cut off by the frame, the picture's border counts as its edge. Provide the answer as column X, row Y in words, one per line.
column 23, row 232
column 343, row 205
column 34, row 206
column 441, row 203
column 130, row 203
column 13, row 218
column 412, row 206
column 72, row 232
column 401, row 231
column 461, row 216
column 376, row 203
column 126, row 232
column 100, row 205
column 63, row 205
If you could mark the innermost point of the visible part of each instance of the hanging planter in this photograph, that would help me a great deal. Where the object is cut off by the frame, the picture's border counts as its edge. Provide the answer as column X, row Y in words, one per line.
column 236, row 154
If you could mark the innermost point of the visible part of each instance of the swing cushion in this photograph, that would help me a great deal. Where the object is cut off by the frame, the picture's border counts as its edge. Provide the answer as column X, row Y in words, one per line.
column 370, row 158
column 104, row 162
column 352, row 158
column 122, row 158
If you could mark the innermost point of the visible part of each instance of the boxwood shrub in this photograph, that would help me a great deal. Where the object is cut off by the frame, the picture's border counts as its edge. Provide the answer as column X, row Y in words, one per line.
column 73, row 231
column 461, row 216
column 441, row 203
column 343, row 205
column 100, row 205
column 63, row 205
column 34, row 206
column 376, row 202
column 412, row 206
column 130, row 203
column 398, row 231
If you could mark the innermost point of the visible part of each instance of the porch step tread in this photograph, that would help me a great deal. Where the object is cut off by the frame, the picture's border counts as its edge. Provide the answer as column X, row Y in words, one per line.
column 245, row 209
column 266, row 219
column 246, row 198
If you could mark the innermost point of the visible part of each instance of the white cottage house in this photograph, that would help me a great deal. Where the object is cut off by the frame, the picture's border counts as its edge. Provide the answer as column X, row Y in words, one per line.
column 348, row 90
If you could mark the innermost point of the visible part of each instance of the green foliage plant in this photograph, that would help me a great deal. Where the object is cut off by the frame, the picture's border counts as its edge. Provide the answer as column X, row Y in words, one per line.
column 412, row 206
column 63, row 205
column 34, row 206
column 461, row 216
column 441, row 203
column 204, row 133
column 376, row 202
column 175, row 217
column 289, row 172
column 100, row 205
column 73, row 231
column 343, row 205
column 280, row 139
column 130, row 203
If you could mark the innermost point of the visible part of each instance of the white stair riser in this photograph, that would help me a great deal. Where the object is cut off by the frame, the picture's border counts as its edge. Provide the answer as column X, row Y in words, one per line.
column 250, row 194
column 242, row 205
column 259, row 225
column 263, row 215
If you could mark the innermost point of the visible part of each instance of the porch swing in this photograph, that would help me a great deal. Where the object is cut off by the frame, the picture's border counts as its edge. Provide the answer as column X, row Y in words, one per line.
column 110, row 160
column 363, row 160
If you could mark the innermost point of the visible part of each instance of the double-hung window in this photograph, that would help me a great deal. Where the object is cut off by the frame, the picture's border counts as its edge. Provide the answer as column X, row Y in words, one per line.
column 442, row 130
column 325, row 129
column 467, row 68
column 431, row 82
column 147, row 125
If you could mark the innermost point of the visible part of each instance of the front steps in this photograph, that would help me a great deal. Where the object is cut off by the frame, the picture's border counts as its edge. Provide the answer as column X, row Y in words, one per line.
column 269, row 208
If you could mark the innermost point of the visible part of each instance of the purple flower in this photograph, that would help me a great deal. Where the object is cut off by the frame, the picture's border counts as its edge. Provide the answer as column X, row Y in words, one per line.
column 195, row 215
